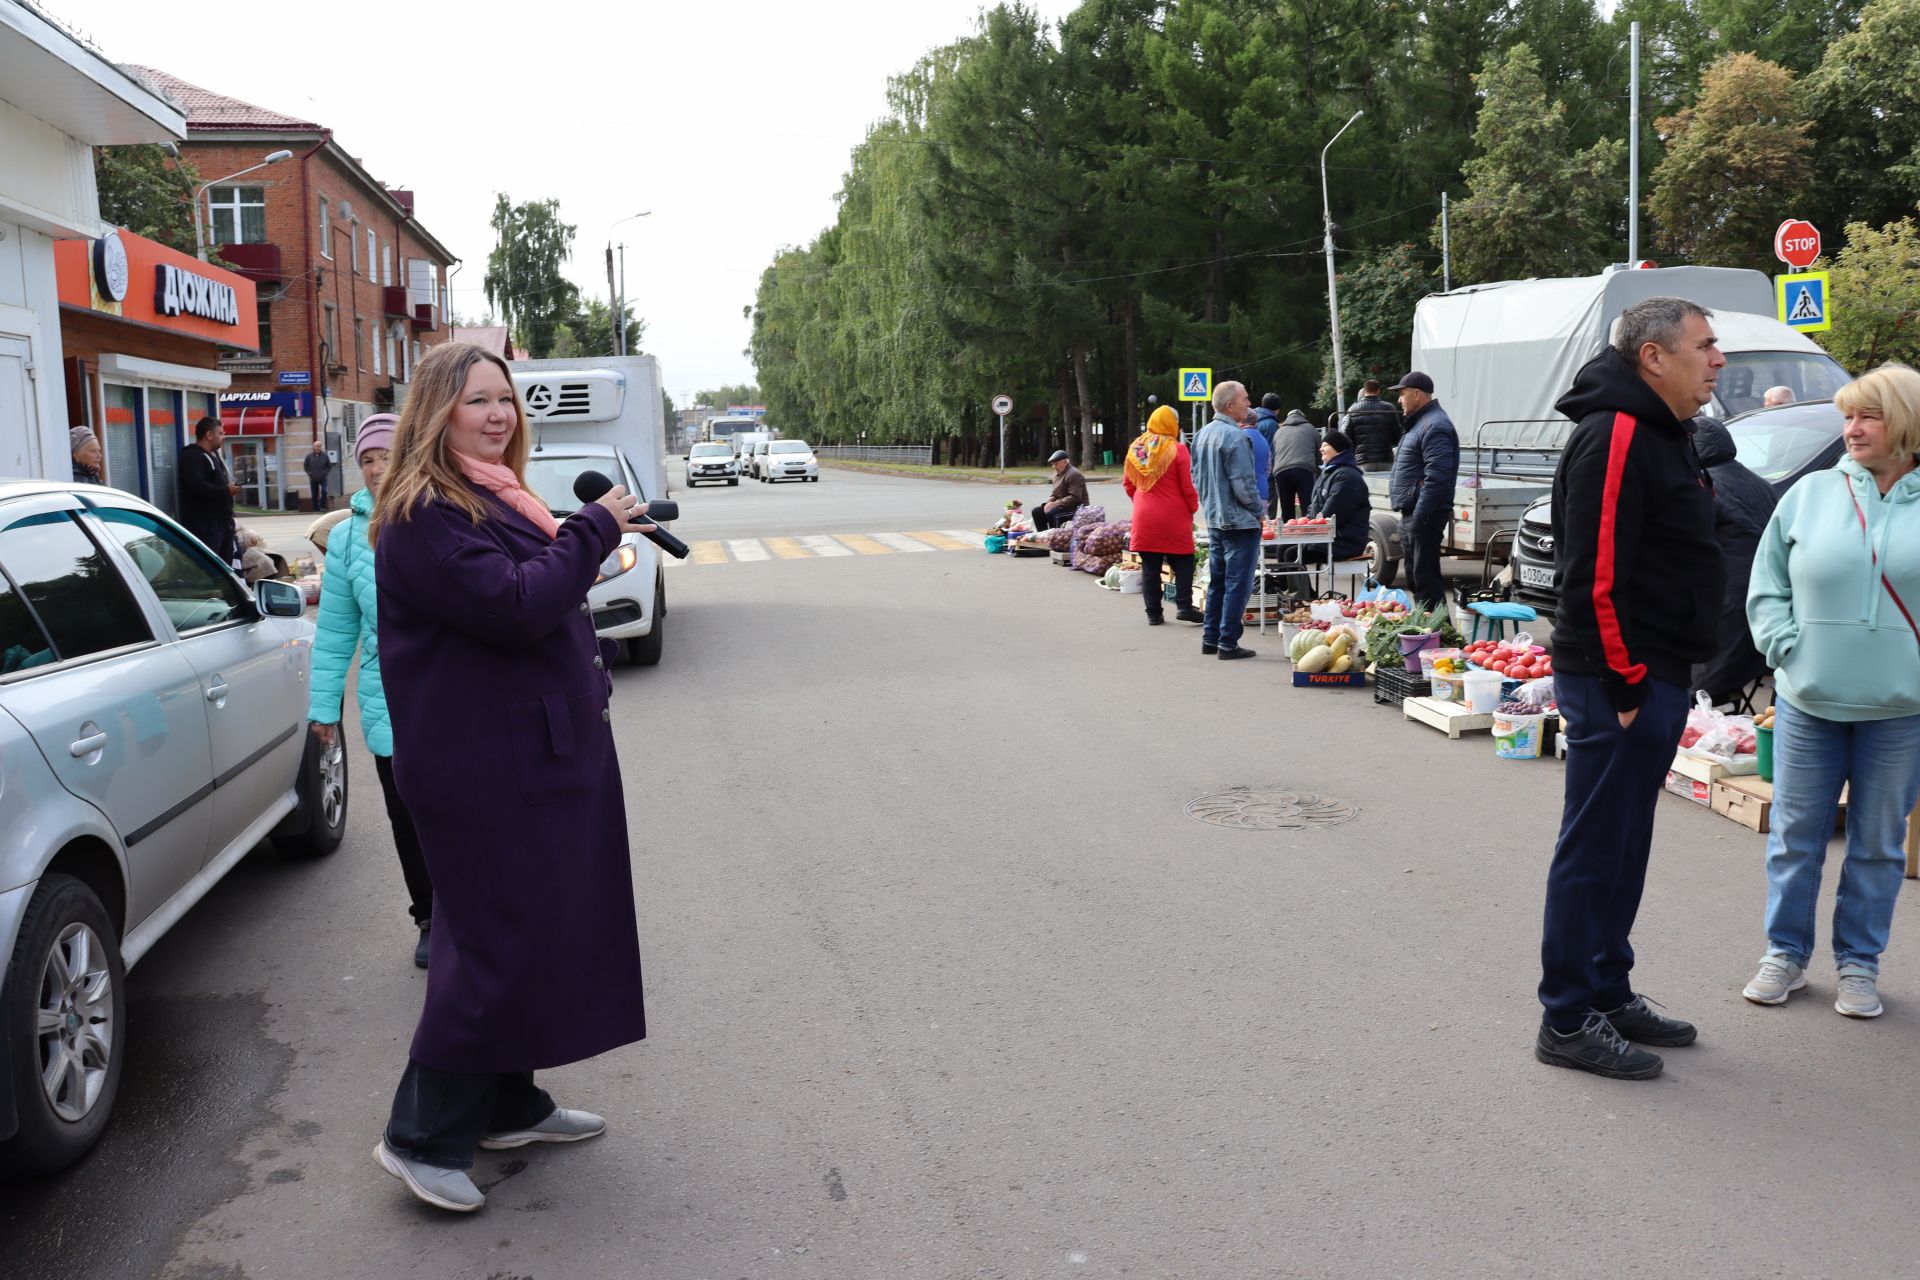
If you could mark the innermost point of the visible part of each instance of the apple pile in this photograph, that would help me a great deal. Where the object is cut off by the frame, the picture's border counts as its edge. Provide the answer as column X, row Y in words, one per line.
column 1516, row 661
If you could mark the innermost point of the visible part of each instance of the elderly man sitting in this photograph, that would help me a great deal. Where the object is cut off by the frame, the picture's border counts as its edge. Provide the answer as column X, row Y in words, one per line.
column 1068, row 496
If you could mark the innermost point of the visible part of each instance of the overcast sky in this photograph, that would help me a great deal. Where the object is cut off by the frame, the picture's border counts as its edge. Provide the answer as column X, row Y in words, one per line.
column 730, row 121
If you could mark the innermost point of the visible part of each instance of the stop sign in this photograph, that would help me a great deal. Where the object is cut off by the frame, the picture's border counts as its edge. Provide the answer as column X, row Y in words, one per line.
column 1796, row 243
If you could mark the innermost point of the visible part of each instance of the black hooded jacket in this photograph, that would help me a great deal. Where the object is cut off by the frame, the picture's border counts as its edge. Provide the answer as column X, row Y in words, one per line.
column 1742, row 505
column 1641, row 577
column 1374, row 427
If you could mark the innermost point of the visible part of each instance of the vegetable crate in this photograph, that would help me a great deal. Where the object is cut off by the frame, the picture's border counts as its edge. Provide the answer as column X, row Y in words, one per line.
column 1394, row 685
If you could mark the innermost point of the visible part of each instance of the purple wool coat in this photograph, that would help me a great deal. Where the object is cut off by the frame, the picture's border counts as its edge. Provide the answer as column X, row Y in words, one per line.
column 503, row 752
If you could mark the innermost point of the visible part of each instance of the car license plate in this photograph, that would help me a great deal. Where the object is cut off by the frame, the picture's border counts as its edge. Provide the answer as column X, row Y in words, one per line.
column 1532, row 576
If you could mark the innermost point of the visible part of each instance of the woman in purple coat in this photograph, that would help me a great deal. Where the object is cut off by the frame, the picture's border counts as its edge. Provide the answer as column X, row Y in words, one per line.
column 503, row 752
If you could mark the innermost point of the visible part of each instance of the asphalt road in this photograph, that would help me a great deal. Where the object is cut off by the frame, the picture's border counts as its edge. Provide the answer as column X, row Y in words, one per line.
column 943, row 981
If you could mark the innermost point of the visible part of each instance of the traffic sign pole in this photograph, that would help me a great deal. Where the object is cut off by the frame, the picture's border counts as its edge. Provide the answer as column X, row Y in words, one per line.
column 1003, row 405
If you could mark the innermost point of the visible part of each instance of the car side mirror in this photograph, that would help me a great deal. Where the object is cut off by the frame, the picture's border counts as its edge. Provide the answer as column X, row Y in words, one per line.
column 279, row 599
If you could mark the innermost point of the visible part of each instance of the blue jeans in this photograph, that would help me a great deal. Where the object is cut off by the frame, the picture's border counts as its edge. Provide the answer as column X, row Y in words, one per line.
column 1812, row 759
column 1614, row 778
column 1230, row 560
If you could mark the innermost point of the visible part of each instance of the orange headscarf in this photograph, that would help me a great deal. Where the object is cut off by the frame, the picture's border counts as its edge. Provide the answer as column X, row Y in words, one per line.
column 1149, row 456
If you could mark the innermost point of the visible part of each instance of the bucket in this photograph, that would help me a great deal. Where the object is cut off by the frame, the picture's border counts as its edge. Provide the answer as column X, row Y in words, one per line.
column 1517, row 736
column 1130, row 582
column 1765, row 754
column 1482, row 690
column 1413, row 647
column 1449, row 687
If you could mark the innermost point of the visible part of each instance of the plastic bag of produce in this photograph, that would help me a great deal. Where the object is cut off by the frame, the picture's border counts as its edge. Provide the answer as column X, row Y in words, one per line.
column 1720, row 738
column 1537, row 694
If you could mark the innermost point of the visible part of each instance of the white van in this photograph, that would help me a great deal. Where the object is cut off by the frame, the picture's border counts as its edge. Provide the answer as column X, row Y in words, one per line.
column 604, row 414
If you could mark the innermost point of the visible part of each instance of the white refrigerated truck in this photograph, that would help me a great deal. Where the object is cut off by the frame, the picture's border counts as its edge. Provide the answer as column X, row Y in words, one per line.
column 605, row 414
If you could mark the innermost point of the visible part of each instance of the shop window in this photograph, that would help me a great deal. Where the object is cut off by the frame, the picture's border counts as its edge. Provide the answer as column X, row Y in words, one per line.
column 326, row 227
column 164, row 440
column 120, row 435
column 239, row 214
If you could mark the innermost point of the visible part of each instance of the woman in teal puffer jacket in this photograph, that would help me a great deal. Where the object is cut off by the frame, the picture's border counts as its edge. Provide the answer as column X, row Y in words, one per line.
column 346, row 623
column 1832, row 601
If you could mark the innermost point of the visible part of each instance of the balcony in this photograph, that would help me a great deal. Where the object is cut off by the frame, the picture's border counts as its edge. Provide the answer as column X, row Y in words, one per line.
column 259, row 263
column 393, row 301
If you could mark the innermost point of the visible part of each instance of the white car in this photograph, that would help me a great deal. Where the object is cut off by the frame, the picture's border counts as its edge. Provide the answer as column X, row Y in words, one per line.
column 789, row 460
column 710, row 462
column 153, row 731
column 629, row 598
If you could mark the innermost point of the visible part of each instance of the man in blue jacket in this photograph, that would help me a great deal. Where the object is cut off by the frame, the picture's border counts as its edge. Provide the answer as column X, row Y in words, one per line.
column 1223, row 472
column 1421, row 488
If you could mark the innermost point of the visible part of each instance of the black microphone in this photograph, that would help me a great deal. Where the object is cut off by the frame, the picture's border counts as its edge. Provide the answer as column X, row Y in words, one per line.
column 591, row 486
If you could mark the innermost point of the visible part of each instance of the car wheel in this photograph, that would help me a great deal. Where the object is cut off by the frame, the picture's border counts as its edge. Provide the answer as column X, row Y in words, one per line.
column 645, row 650
column 64, row 1014
column 734, row 481
column 322, row 787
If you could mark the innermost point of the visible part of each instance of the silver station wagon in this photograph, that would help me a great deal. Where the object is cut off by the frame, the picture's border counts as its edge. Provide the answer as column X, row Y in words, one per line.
column 152, row 732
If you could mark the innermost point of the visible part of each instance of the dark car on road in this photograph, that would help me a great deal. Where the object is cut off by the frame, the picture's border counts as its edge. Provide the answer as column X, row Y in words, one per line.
column 1781, row 445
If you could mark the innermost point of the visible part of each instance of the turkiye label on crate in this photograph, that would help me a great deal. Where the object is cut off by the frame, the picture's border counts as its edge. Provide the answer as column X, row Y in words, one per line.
column 1341, row 679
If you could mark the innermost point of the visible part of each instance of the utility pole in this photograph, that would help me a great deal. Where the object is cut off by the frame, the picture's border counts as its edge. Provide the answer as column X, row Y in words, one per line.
column 1446, row 249
column 1633, row 145
column 620, row 307
column 1333, row 292
column 613, row 301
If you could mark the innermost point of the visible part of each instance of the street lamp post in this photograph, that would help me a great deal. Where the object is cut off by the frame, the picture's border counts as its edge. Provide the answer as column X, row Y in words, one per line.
column 1333, row 292
column 199, row 239
column 616, row 298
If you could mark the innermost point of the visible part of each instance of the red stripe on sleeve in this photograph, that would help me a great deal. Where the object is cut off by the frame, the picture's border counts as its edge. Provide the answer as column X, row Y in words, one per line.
column 1604, row 568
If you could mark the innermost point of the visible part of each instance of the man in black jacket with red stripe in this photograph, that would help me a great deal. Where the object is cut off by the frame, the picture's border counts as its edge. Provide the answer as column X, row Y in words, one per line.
column 1640, row 581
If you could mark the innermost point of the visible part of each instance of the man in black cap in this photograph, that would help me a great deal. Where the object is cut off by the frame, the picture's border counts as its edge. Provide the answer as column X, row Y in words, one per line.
column 1068, row 496
column 1421, row 489
column 1374, row 428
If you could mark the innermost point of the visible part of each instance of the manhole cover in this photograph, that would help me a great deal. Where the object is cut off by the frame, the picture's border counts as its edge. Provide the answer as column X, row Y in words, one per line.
column 1254, row 810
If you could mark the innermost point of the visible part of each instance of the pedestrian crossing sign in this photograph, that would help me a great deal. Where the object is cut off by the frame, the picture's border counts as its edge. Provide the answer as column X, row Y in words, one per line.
column 1196, row 384
column 1803, row 300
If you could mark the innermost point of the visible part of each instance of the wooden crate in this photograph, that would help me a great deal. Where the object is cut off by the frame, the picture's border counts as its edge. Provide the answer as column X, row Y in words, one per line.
column 1451, row 718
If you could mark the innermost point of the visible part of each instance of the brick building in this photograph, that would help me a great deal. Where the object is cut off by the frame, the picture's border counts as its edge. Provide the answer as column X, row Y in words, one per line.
column 352, row 289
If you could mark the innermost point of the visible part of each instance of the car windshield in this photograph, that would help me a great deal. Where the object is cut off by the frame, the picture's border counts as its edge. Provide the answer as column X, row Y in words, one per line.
column 1750, row 374
column 1777, row 443
column 790, row 446
column 712, row 451
column 552, row 478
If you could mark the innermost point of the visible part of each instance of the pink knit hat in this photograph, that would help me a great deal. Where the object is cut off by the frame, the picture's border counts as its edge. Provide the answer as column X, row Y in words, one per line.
column 375, row 433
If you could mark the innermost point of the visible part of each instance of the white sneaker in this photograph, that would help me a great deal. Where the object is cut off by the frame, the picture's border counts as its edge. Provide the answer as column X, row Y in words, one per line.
column 1859, row 996
column 563, row 1125
column 1778, row 978
column 449, row 1189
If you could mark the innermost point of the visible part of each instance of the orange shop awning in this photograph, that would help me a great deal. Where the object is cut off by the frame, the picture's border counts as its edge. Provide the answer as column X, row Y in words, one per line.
column 250, row 419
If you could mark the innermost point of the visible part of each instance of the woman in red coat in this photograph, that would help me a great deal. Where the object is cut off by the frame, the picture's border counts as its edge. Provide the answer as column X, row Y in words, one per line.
column 1159, row 479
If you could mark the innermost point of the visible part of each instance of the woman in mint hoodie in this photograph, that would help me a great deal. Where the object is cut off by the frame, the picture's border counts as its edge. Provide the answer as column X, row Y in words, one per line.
column 346, row 623
column 1836, row 584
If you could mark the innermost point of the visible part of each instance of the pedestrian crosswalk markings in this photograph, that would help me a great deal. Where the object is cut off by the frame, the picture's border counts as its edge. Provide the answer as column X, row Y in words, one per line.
column 820, row 546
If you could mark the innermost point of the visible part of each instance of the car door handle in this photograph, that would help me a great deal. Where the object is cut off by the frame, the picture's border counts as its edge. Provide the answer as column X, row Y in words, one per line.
column 86, row 746
column 215, row 692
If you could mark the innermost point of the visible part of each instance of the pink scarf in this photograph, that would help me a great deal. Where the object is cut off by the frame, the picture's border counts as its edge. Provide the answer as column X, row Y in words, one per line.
column 504, row 485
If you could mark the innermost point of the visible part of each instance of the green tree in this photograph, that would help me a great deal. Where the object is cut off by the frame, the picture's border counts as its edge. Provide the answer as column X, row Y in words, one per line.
column 592, row 329
column 733, row 393
column 1876, row 282
column 524, row 278
column 1864, row 99
column 1534, row 207
column 1378, row 291
column 148, row 192
column 1734, row 161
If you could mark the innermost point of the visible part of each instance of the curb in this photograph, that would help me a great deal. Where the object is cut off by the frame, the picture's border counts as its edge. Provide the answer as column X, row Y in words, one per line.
column 872, row 470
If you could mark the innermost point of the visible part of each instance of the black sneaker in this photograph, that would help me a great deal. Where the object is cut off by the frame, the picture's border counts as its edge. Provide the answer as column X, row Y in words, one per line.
column 1155, row 620
column 1635, row 1021
column 1595, row 1047
column 420, row 947
column 1206, row 648
column 1228, row 655
column 1189, row 615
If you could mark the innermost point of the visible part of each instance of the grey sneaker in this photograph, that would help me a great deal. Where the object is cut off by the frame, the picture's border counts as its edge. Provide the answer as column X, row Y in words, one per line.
column 562, row 1126
column 1777, row 979
column 448, row 1189
column 1859, row 996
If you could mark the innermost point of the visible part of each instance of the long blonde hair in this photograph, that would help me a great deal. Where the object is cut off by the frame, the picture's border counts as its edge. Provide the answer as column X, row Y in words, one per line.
column 421, row 466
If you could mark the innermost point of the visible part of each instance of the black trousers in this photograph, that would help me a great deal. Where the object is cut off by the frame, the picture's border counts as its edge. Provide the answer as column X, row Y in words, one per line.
column 1424, row 581
column 439, row 1117
column 1291, row 490
column 413, row 864
column 1045, row 519
column 1153, row 589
